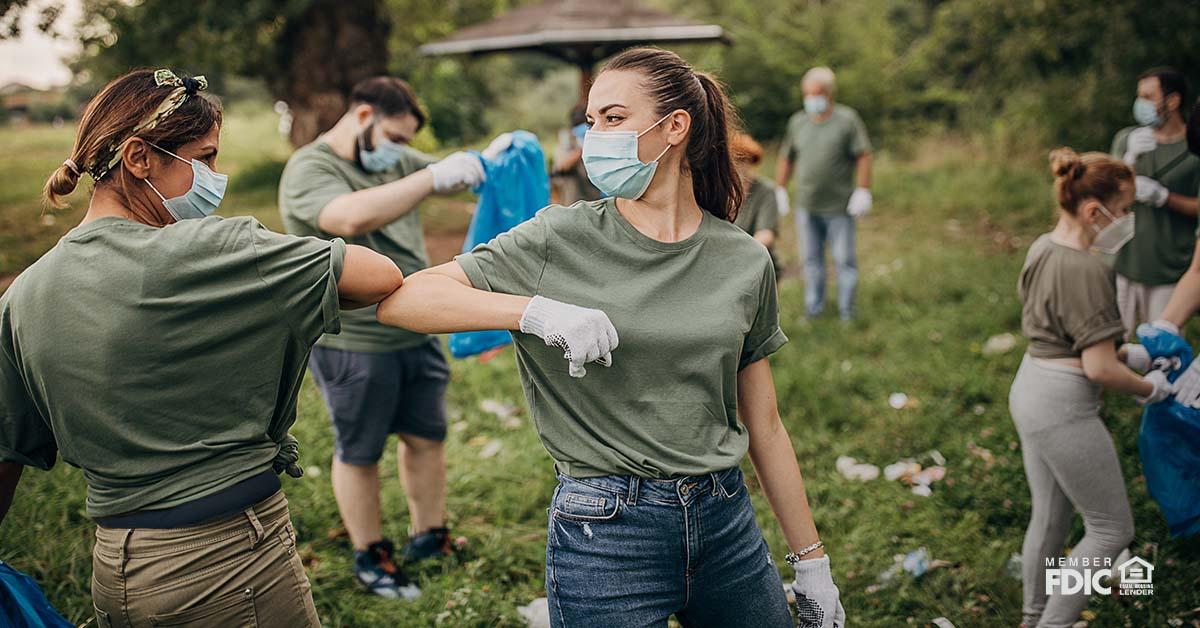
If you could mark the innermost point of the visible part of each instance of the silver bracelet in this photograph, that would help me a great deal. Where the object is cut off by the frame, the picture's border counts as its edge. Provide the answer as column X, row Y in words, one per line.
column 794, row 557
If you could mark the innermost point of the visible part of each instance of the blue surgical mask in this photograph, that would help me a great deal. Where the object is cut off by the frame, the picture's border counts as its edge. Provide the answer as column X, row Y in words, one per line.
column 1145, row 112
column 612, row 164
column 202, row 199
column 384, row 156
column 815, row 105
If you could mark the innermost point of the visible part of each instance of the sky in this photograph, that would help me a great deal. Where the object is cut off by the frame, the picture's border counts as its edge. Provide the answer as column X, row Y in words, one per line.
column 36, row 59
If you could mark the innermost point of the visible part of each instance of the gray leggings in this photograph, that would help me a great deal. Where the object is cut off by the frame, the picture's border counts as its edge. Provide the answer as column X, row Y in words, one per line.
column 1071, row 465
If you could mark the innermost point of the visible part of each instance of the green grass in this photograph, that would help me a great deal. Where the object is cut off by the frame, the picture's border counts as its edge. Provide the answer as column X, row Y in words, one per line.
column 939, row 260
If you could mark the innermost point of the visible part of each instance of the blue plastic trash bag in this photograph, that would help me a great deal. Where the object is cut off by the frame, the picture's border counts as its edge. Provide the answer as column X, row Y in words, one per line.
column 1169, row 440
column 22, row 603
column 517, row 186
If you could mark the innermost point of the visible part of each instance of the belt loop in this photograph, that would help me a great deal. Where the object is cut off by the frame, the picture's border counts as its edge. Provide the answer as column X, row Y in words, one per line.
column 256, row 535
column 716, row 484
column 631, row 497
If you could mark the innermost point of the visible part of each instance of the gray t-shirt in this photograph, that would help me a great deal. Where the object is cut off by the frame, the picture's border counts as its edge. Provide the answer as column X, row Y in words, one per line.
column 690, row 315
column 1069, row 300
column 164, row 363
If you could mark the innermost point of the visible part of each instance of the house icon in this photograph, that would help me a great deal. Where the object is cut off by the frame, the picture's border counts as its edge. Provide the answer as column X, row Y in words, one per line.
column 1136, row 570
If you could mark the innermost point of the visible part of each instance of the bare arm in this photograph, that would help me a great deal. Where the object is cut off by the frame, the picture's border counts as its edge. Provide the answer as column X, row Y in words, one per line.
column 766, row 237
column 569, row 161
column 441, row 300
column 1100, row 365
column 773, row 457
column 10, row 474
column 368, row 210
column 862, row 170
column 783, row 171
column 1186, row 205
column 367, row 277
column 1185, row 299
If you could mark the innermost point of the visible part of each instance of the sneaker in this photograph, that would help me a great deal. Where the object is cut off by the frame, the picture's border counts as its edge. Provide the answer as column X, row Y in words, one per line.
column 433, row 543
column 377, row 572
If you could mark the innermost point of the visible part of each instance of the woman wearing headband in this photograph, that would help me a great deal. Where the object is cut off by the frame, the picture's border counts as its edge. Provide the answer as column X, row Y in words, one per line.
column 160, row 350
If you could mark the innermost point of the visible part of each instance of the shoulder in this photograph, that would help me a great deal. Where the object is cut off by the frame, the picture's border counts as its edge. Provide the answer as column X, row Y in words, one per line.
column 579, row 215
column 735, row 243
column 761, row 185
column 847, row 113
column 797, row 120
column 214, row 232
column 1123, row 134
column 311, row 157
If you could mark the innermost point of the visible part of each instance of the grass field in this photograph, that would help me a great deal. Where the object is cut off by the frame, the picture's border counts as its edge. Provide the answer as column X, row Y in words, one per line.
column 939, row 260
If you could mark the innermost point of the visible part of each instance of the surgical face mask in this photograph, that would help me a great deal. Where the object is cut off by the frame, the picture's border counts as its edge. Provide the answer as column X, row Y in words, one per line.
column 1110, row 239
column 612, row 164
column 815, row 105
column 202, row 199
column 384, row 156
column 1145, row 112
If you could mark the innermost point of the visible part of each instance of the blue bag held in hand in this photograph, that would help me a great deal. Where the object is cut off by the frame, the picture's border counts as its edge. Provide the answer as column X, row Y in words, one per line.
column 22, row 603
column 517, row 186
column 1169, row 440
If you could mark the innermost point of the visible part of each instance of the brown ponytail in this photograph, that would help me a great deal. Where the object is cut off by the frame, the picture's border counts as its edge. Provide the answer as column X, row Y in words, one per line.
column 673, row 84
column 109, row 121
column 1090, row 175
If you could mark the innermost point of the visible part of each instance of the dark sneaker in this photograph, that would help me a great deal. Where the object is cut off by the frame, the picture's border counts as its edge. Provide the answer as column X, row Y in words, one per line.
column 376, row 570
column 433, row 543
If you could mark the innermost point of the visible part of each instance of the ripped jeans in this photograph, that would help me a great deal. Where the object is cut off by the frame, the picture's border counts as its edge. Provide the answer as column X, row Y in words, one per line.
column 626, row 552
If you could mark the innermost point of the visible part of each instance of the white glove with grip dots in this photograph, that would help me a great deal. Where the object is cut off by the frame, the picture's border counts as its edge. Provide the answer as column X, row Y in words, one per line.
column 817, row 597
column 585, row 335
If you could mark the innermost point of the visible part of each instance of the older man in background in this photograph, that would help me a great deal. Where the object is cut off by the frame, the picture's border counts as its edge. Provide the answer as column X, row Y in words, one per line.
column 827, row 151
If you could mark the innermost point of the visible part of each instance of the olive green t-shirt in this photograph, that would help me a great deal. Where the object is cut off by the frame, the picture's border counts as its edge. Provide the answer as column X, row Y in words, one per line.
column 1164, row 239
column 1069, row 300
column 759, row 211
column 690, row 315
column 825, row 155
column 314, row 176
column 164, row 363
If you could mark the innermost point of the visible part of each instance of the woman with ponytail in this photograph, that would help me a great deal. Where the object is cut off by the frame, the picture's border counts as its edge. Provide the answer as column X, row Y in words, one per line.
column 1070, row 317
column 651, row 517
column 160, row 350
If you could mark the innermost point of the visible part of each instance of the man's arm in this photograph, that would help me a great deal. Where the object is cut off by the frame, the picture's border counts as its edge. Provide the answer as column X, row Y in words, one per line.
column 1186, row 205
column 783, row 171
column 10, row 474
column 368, row 210
column 862, row 169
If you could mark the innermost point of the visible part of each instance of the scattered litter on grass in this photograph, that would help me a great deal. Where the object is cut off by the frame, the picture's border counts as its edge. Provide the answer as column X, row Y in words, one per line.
column 852, row 469
column 846, row 366
column 942, row 622
column 513, row 422
column 458, row 426
column 979, row 409
column 999, row 344
column 490, row 450
column 900, row 401
column 1013, row 567
column 312, row 471
column 911, row 565
column 900, row 470
column 536, row 613
column 498, row 408
column 936, row 456
column 982, row 453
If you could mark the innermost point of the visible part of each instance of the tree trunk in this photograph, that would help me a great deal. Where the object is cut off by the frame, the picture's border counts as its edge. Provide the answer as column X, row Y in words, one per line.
column 325, row 51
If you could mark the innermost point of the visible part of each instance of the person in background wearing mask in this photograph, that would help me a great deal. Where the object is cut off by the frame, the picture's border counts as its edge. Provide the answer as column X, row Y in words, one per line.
column 570, row 179
column 360, row 181
column 160, row 349
column 760, row 210
column 651, row 516
column 1168, row 179
column 1069, row 314
column 827, row 151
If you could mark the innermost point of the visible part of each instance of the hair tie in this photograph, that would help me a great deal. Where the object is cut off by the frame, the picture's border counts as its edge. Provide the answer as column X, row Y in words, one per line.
column 70, row 163
column 190, row 86
column 183, row 89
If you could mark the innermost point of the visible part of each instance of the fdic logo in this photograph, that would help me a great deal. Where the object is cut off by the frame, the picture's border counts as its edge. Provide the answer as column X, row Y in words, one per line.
column 1071, row 575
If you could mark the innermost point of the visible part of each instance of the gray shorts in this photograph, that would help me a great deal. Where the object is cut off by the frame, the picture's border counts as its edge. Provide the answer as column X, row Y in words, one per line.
column 371, row 395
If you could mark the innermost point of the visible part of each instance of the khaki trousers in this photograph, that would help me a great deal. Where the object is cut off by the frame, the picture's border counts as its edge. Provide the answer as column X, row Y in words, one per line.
column 239, row 571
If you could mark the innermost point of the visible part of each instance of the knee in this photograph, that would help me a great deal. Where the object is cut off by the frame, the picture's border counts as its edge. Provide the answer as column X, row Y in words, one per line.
column 1115, row 532
column 420, row 446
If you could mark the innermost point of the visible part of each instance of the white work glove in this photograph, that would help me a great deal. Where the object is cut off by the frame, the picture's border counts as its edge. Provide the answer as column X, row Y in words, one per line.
column 498, row 146
column 585, row 335
column 1136, row 357
column 1187, row 387
column 860, row 202
column 1148, row 190
column 1162, row 388
column 1140, row 140
column 457, row 170
column 817, row 597
column 781, row 200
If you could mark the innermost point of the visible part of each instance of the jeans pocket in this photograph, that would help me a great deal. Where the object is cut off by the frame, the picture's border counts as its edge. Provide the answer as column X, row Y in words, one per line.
column 234, row 609
column 102, row 620
column 731, row 483
column 575, row 501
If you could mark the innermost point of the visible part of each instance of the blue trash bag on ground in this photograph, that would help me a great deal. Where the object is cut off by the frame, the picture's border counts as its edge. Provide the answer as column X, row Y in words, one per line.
column 1169, row 439
column 22, row 603
column 517, row 186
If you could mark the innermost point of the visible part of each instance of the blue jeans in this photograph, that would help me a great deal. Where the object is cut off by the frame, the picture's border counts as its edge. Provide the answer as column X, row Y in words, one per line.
column 628, row 552
column 838, row 230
